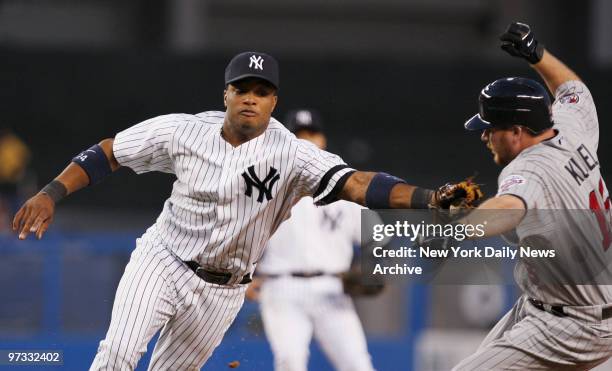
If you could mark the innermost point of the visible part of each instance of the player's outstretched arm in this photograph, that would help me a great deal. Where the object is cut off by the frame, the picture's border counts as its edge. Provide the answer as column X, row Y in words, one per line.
column 384, row 191
column 87, row 168
column 396, row 193
column 519, row 41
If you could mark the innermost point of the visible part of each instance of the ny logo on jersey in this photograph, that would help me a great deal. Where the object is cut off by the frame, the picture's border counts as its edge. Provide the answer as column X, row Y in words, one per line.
column 256, row 62
column 264, row 186
column 331, row 220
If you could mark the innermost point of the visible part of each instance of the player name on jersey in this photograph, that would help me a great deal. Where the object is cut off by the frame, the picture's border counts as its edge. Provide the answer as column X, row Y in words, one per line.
column 580, row 170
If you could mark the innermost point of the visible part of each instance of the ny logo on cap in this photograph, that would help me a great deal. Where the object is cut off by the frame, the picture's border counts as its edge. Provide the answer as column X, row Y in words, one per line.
column 256, row 61
column 304, row 117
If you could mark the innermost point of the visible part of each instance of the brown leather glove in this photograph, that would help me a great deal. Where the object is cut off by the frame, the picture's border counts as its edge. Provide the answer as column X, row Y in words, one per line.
column 353, row 284
column 465, row 194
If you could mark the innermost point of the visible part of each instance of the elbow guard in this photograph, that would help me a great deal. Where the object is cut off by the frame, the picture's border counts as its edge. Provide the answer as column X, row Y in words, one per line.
column 95, row 163
column 379, row 190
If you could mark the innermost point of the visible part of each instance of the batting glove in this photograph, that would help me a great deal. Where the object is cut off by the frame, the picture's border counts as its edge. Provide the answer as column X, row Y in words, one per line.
column 519, row 41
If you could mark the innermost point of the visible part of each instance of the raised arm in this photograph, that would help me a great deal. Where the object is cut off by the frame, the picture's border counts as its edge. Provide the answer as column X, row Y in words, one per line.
column 553, row 71
column 88, row 167
column 519, row 41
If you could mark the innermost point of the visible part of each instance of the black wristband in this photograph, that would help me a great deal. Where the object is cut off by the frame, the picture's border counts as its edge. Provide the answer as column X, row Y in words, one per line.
column 421, row 198
column 56, row 190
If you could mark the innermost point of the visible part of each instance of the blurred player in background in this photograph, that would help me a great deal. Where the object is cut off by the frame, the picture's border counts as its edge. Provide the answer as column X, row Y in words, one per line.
column 298, row 281
column 549, row 154
column 14, row 160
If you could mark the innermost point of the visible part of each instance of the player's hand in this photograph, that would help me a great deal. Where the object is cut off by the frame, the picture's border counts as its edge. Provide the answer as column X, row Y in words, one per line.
column 519, row 41
column 465, row 194
column 34, row 216
column 253, row 290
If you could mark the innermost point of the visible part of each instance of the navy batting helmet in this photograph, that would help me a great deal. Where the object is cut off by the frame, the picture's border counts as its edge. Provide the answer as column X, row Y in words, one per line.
column 513, row 101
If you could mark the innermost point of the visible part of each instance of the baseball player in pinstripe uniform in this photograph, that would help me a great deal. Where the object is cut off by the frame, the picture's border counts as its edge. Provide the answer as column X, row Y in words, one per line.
column 300, row 290
column 238, row 173
column 549, row 154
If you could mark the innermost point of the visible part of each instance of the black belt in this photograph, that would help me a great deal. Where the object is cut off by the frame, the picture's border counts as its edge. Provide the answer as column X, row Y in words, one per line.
column 300, row 274
column 220, row 278
column 559, row 310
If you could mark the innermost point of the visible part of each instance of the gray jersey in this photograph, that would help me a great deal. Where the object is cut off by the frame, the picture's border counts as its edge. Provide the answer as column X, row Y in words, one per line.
column 563, row 173
column 226, row 201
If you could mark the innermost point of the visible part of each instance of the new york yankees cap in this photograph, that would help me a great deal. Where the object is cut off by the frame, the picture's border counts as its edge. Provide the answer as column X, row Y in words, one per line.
column 303, row 119
column 252, row 64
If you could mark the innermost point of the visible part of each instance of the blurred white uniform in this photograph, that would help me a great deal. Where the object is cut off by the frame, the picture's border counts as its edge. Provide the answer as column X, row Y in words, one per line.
column 302, row 295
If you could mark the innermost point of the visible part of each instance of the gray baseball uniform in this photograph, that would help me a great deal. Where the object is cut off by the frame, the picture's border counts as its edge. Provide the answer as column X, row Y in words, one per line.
column 225, row 203
column 561, row 174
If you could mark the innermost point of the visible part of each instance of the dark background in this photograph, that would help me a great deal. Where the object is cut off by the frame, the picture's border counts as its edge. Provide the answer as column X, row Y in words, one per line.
column 394, row 80
column 400, row 116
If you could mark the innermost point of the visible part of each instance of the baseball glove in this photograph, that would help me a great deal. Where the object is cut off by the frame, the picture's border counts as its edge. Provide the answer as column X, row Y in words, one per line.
column 353, row 284
column 463, row 195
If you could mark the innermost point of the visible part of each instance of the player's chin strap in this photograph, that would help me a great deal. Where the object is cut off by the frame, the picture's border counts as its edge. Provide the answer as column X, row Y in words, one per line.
column 95, row 163
column 379, row 193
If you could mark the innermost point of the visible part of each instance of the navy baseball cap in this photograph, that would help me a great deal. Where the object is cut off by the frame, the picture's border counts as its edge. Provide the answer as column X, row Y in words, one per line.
column 513, row 101
column 252, row 64
column 303, row 119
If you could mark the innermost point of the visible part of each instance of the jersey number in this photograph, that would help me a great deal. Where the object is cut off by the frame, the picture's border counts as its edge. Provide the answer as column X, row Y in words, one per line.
column 602, row 214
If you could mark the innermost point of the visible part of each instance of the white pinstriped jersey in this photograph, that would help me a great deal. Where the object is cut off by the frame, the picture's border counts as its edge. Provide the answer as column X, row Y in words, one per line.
column 563, row 173
column 314, row 239
column 226, row 201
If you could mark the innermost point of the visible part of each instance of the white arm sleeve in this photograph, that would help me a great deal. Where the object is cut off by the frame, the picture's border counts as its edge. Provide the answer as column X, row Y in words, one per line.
column 147, row 146
column 574, row 109
column 318, row 172
column 523, row 181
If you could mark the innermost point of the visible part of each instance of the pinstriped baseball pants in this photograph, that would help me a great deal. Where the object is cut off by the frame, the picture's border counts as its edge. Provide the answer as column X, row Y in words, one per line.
column 296, row 309
column 527, row 338
column 157, row 291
